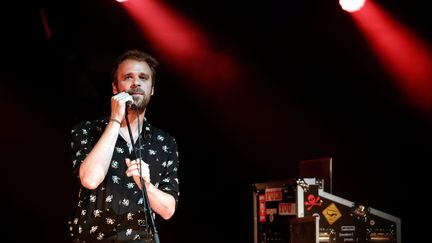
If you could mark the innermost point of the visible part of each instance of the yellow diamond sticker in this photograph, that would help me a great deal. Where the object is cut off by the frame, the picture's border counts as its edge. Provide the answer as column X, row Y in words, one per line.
column 331, row 213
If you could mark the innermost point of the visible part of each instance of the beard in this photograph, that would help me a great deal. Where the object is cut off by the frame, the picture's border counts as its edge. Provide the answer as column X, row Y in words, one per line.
column 140, row 99
column 141, row 102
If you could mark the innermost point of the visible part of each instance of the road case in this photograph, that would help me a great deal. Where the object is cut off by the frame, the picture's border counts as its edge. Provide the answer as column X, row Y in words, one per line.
column 278, row 207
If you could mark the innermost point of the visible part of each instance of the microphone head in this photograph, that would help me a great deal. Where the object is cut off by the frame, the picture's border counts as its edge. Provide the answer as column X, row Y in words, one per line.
column 130, row 104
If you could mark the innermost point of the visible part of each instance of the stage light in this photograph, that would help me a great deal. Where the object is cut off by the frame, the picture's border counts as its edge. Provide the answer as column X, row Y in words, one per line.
column 351, row 5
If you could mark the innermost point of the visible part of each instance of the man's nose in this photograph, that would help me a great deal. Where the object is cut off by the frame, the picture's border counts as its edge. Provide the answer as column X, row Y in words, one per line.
column 135, row 82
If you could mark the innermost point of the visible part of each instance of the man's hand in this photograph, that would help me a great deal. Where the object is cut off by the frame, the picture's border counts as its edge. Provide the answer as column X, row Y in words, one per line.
column 133, row 169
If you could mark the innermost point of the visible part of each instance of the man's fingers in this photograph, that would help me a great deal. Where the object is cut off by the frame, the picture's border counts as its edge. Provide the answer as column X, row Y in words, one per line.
column 123, row 97
column 134, row 169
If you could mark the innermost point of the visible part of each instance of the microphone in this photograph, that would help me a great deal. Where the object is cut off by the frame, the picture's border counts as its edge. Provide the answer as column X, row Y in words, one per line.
column 130, row 104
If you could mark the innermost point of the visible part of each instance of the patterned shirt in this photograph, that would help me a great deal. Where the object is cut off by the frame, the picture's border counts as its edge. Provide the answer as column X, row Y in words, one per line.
column 115, row 207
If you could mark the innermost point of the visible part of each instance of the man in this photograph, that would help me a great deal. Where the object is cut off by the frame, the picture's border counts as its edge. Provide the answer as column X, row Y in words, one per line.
column 106, row 160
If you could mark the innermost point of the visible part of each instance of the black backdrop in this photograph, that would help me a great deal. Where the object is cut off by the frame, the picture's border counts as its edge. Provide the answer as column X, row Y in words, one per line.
column 323, row 94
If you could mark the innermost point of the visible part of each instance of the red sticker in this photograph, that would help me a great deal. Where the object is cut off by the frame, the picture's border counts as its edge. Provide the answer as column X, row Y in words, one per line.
column 262, row 208
column 312, row 201
column 287, row 209
column 273, row 194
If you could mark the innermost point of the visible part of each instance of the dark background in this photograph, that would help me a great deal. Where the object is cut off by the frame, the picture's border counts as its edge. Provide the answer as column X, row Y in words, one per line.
column 321, row 93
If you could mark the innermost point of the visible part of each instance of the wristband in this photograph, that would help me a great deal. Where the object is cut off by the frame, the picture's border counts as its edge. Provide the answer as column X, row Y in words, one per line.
column 115, row 120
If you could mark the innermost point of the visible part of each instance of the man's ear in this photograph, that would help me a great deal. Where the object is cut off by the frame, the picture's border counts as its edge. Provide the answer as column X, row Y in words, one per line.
column 152, row 91
column 114, row 88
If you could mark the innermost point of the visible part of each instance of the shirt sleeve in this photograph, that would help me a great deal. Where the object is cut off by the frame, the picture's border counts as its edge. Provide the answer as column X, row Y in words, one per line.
column 170, row 181
column 81, row 145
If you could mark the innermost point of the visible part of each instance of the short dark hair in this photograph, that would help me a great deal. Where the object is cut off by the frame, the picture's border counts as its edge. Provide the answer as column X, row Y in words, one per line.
column 136, row 55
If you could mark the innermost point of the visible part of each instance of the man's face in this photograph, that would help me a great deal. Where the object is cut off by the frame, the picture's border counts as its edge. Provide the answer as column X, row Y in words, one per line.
column 135, row 78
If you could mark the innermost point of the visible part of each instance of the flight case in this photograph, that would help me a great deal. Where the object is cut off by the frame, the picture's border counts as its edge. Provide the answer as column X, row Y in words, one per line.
column 281, row 207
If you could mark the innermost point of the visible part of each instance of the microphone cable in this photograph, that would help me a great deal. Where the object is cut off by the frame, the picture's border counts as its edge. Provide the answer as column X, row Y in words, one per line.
column 146, row 204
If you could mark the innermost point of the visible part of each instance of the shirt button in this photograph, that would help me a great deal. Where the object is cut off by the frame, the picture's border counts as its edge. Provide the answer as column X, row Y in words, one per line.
column 141, row 223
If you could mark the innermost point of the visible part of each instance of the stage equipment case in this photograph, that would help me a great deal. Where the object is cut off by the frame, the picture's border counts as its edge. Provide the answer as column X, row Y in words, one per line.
column 299, row 211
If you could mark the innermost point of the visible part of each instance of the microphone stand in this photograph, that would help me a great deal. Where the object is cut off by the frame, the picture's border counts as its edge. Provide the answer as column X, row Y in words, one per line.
column 146, row 204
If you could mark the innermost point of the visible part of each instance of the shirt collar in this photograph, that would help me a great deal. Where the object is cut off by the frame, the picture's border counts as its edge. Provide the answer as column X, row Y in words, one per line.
column 146, row 132
column 147, row 129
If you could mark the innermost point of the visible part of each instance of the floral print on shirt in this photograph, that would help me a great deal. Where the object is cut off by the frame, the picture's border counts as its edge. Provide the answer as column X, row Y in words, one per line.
column 115, row 207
